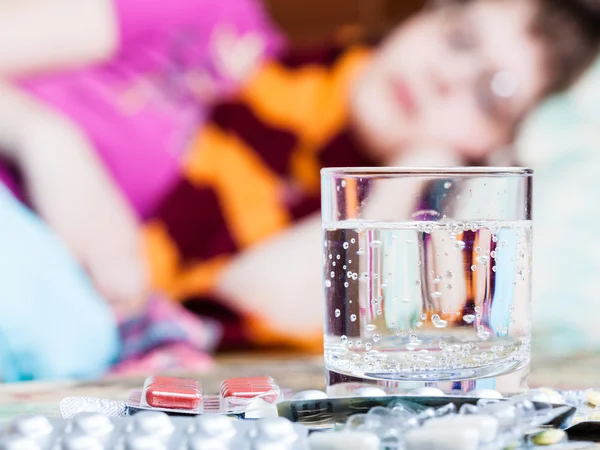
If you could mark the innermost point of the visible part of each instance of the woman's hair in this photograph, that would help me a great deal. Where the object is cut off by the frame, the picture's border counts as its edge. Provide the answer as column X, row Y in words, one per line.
column 570, row 32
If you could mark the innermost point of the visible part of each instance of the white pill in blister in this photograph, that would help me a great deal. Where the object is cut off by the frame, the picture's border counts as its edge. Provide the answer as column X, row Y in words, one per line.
column 32, row 426
column 143, row 441
column 215, row 425
column 312, row 394
column 487, row 426
column 344, row 440
column 485, row 393
column 79, row 441
column 276, row 428
column 428, row 392
column 370, row 392
column 271, row 445
column 201, row 442
column 18, row 443
column 95, row 424
column 153, row 422
column 442, row 439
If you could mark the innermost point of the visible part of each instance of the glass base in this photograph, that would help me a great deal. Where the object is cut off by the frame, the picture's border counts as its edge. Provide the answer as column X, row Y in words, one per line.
column 341, row 385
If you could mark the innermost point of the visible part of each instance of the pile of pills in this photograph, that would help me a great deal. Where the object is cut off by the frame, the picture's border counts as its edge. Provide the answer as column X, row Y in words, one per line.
column 152, row 430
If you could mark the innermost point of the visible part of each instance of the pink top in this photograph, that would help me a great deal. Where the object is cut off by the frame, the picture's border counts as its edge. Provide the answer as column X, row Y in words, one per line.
column 138, row 110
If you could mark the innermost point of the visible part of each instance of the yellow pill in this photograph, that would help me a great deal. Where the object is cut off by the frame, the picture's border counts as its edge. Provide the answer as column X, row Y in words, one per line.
column 593, row 398
column 549, row 437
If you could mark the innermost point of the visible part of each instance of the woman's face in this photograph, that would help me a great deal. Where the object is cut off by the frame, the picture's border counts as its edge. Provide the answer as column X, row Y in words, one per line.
column 454, row 78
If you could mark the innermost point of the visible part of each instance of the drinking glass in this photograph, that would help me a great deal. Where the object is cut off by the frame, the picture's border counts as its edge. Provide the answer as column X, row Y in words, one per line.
column 427, row 275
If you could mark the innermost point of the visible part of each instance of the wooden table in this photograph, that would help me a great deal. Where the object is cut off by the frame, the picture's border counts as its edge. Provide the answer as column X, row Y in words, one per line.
column 292, row 371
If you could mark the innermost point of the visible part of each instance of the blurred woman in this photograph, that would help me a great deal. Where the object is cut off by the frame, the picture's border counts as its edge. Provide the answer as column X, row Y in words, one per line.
column 239, row 224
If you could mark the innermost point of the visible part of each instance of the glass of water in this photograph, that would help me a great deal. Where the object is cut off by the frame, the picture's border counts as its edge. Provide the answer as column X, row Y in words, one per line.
column 427, row 275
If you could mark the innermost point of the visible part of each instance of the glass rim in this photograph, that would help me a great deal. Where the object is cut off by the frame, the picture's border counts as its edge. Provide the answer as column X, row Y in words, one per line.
column 428, row 171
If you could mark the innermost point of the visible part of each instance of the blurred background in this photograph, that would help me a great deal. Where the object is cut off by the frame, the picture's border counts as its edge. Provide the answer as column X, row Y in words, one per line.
column 159, row 162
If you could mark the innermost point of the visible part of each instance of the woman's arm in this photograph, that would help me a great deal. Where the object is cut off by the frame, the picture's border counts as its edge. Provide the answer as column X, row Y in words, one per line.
column 71, row 190
column 281, row 280
column 40, row 35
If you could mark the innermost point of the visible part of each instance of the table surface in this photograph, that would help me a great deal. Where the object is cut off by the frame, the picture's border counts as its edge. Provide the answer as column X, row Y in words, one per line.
column 297, row 372
column 578, row 371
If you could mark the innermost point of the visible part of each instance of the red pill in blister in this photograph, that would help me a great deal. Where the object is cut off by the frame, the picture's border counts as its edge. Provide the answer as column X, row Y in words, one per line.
column 239, row 392
column 172, row 393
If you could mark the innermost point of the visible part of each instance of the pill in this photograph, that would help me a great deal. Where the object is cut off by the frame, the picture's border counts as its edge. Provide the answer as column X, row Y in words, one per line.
column 215, row 425
column 236, row 393
column 153, row 423
column 344, row 440
column 276, row 428
column 173, row 393
column 143, row 441
column 486, row 393
column 80, row 441
column 200, row 442
column 92, row 423
column 549, row 437
column 16, row 442
column 487, row 426
column 310, row 395
column 593, row 398
column 271, row 445
column 443, row 439
column 33, row 426
column 427, row 392
column 370, row 391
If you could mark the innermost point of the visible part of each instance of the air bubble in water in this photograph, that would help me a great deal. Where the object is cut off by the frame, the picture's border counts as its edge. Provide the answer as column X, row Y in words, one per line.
column 359, row 343
column 443, row 345
column 360, row 251
column 483, row 260
column 345, row 245
column 449, row 274
column 418, row 282
column 436, row 294
column 477, row 308
column 376, row 337
column 353, row 318
column 493, row 254
column 376, row 244
column 352, row 241
column 423, row 316
column 330, row 256
column 332, row 274
column 343, row 338
column 338, row 257
column 355, row 276
column 364, row 276
column 350, row 344
column 343, row 183
column 413, row 338
column 449, row 287
column 469, row 318
column 447, row 185
column 477, row 249
column 327, row 283
column 333, row 264
column 370, row 327
column 379, row 312
column 338, row 313
column 473, row 267
column 344, row 267
column 346, row 284
column 459, row 245
column 494, row 238
column 368, row 346
column 437, row 279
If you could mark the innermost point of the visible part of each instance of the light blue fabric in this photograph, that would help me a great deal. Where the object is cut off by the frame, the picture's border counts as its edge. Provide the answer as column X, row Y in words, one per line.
column 53, row 324
column 562, row 143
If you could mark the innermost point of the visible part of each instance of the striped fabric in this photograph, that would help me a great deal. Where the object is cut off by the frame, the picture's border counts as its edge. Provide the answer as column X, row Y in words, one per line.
column 251, row 172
